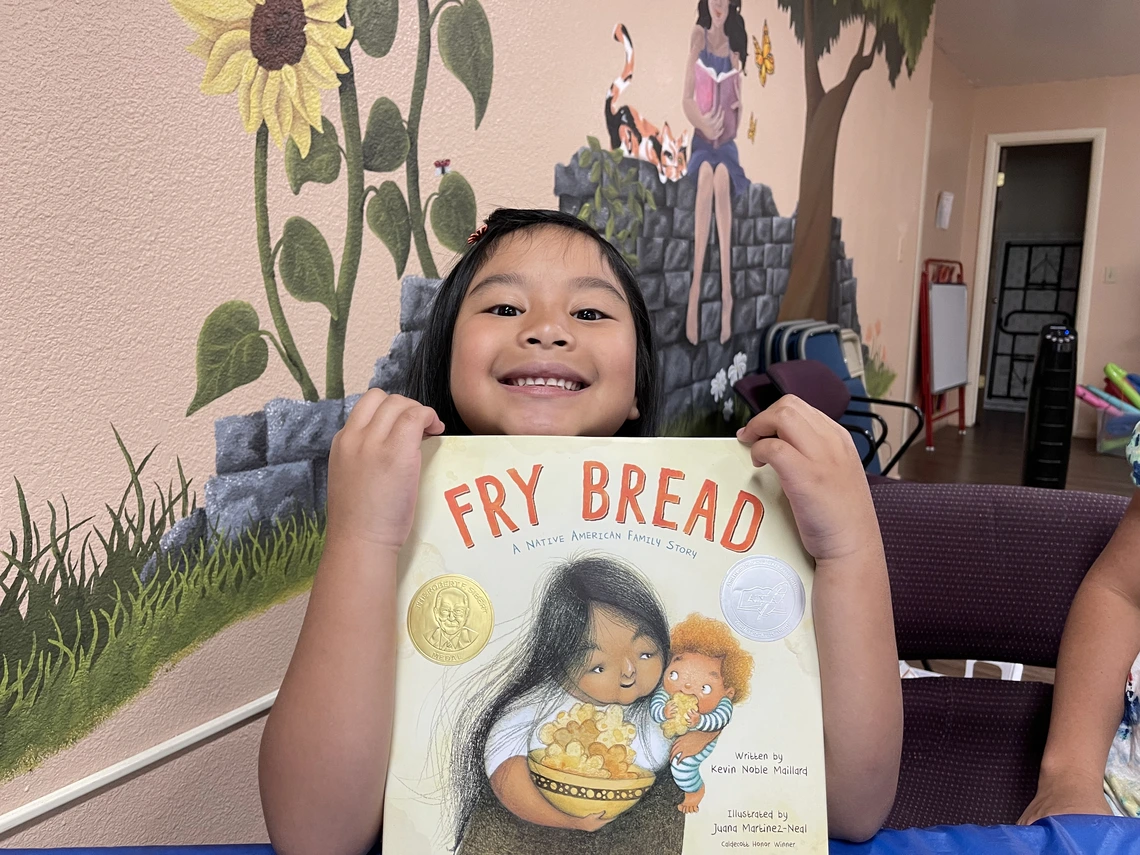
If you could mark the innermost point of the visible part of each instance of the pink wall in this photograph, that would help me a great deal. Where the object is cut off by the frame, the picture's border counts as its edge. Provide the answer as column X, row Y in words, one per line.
column 952, row 102
column 950, row 135
column 1113, row 334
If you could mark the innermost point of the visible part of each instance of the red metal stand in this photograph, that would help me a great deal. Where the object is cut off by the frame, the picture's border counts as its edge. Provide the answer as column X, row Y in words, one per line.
column 941, row 271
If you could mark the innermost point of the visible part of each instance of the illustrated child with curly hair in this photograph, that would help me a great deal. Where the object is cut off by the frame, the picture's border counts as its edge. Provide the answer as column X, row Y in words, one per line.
column 707, row 673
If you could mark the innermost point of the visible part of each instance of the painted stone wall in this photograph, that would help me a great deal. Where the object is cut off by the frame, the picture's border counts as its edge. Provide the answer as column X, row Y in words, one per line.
column 272, row 464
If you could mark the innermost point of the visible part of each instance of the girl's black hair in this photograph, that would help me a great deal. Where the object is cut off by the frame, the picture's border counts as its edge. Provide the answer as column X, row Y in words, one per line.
column 429, row 376
column 552, row 652
column 733, row 28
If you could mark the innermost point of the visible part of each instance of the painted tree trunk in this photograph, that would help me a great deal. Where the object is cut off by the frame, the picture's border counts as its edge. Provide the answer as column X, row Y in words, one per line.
column 809, row 283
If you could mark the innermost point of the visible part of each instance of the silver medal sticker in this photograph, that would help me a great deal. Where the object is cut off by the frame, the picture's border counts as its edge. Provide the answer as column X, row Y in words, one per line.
column 762, row 598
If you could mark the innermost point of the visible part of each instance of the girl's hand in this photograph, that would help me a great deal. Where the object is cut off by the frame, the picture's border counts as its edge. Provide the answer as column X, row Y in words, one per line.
column 689, row 745
column 713, row 124
column 693, row 718
column 670, row 709
column 1066, row 795
column 374, row 469
column 821, row 474
column 593, row 822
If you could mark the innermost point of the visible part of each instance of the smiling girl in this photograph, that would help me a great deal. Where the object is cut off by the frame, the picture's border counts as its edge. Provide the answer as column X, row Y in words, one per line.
column 540, row 328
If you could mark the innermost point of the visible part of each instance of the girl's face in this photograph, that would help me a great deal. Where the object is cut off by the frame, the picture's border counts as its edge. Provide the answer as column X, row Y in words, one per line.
column 624, row 664
column 718, row 10
column 544, row 343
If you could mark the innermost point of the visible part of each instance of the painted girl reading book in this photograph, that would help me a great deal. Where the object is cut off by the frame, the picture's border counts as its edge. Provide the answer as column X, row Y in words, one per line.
column 711, row 100
column 598, row 639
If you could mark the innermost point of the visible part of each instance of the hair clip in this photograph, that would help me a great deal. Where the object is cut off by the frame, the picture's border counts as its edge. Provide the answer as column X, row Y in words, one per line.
column 478, row 233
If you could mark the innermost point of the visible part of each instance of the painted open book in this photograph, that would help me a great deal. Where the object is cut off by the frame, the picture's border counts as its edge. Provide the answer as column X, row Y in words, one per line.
column 604, row 645
column 713, row 89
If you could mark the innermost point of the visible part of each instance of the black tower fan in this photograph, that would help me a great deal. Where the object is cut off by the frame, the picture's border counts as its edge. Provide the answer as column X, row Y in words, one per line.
column 1049, row 418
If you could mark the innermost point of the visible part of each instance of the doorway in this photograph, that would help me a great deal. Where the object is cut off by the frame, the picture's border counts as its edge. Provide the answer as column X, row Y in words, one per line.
column 1038, row 241
column 1038, row 270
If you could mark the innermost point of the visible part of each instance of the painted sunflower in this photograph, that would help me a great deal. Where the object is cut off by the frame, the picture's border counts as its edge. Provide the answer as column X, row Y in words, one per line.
column 277, row 54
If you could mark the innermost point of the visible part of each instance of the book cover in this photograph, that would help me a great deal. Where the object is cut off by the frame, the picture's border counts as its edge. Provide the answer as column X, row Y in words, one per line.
column 604, row 645
column 712, row 90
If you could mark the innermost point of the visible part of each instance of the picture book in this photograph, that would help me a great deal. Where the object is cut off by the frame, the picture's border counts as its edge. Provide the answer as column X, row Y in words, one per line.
column 603, row 646
column 712, row 90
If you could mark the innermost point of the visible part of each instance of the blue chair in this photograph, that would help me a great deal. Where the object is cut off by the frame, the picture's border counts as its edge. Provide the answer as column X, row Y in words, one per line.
column 809, row 339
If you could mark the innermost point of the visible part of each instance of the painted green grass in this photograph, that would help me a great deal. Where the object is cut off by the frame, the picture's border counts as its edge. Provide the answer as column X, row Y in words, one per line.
column 80, row 634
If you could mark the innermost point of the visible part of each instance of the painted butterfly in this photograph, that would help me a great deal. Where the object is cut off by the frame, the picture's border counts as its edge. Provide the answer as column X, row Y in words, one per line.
column 765, row 60
column 752, row 127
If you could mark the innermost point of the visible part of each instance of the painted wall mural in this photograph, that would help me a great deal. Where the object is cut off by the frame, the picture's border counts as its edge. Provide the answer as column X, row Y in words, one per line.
column 898, row 31
column 91, row 611
column 277, row 55
column 673, row 167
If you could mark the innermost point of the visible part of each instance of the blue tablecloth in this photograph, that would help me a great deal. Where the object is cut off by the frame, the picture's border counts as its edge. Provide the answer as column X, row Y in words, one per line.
column 1068, row 835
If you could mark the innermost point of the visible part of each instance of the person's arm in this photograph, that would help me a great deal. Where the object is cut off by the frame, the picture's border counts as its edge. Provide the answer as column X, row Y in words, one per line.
column 717, row 720
column 512, row 784
column 324, row 752
column 659, row 705
column 824, row 481
column 1099, row 644
column 711, row 125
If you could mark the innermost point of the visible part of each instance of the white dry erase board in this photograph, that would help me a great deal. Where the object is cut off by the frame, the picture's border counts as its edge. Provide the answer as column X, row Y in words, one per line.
column 948, row 336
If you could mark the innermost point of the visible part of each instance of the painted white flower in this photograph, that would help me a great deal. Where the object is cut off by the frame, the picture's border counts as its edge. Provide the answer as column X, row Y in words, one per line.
column 719, row 385
column 729, row 407
column 740, row 363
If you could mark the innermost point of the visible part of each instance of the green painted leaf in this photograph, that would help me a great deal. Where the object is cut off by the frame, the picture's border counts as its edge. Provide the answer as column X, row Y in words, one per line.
column 598, row 197
column 453, row 211
column 466, row 50
column 307, row 265
column 585, row 211
column 388, row 218
column 231, row 352
column 385, row 144
column 584, row 157
column 617, row 154
column 596, row 172
column 374, row 24
column 322, row 166
column 595, row 146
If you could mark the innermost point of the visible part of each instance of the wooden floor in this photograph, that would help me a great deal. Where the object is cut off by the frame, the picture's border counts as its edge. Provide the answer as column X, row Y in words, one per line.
column 991, row 452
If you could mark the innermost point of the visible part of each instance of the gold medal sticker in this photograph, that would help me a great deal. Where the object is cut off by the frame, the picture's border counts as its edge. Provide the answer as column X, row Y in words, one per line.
column 450, row 619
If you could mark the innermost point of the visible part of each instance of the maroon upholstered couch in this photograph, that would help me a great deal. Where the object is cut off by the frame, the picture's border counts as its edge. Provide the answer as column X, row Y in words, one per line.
column 981, row 572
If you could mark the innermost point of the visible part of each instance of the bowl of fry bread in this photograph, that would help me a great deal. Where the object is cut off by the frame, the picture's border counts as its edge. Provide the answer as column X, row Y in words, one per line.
column 586, row 766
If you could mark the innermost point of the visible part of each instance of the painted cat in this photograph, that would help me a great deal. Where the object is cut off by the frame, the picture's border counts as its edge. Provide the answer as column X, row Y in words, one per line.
column 637, row 137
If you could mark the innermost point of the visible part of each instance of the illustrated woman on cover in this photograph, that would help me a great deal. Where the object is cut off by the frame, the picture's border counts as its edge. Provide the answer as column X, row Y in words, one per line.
column 599, row 639
column 718, row 47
